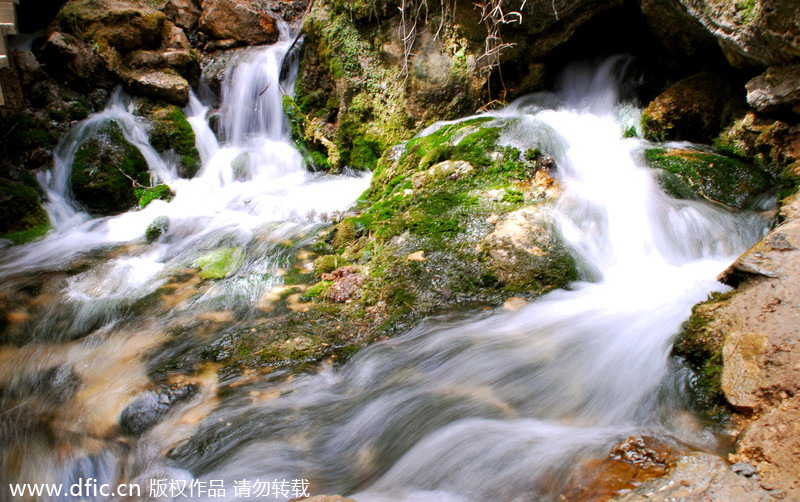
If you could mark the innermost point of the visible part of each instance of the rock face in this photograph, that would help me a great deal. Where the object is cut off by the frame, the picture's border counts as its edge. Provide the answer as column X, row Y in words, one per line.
column 241, row 20
column 752, row 333
column 106, row 170
column 764, row 32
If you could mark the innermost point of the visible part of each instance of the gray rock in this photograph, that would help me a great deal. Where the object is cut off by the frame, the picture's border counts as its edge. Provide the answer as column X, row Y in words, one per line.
column 150, row 407
column 776, row 88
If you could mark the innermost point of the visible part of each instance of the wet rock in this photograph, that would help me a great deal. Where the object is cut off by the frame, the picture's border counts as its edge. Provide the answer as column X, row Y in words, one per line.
column 28, row 67
column 239, row 20
column 173, row 136
column 523, row 249
column 219, row 263
column 214, row 66
column 629, row 464
column 698, row 476
column 693, row 109
column 777, row 88
column 105, row 171
column 150, row 407
column 346, row 282
column 160, row 84
column 159, row 227
column 687, row 174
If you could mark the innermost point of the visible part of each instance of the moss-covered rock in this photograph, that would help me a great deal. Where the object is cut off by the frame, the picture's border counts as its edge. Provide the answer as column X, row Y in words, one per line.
column 106, row 171
column 22, row 217
column 156, row 229
column 688, row 173
column 769, row 143
column 124, row 25
column 148, row 195
column 171, row 132
column 219, row 263
column 693, row 109
column 700, row 345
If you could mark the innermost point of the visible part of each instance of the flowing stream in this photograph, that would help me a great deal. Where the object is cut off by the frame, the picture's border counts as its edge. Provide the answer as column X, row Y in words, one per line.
column 492, row 407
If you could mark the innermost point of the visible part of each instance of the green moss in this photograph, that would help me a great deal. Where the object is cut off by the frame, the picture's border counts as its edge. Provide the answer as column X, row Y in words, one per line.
column 172, row 132
column 148, row 195
column 317, row 290
column 106, row 170
column 715, row 177
column 513, row 196
column 700, row 344
column 630, row 132
column 219, row 263
column 22, row 217
column 328, row 263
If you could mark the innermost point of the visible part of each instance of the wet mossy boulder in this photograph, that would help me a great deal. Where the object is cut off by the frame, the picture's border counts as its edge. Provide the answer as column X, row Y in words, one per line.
column 693, row 109
column 435, row 228
column 22, row 217
column 171, row 132
column 688, row 173
column 157, row 228
column 699, row 344
column 106, row 171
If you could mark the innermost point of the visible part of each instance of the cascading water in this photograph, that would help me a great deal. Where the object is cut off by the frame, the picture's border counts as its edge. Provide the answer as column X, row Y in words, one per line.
column 491, row 408
column 499, row 406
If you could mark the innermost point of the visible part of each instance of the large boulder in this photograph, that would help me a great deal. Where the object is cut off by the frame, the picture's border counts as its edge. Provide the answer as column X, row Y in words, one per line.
column 125, row 25
column 693, row 109
column 106, row 171
column 164, row 84
column 73, row 59
column 241, row 20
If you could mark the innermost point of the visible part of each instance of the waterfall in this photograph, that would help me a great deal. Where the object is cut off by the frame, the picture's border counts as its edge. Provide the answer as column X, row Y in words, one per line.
column 492, row 407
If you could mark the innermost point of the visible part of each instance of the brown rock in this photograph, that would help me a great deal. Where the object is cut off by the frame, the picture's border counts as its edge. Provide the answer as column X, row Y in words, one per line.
column 240, row 20
column 184, row 13
column 693, row 109
column 160, row 84
column 174, row 37
column 346, row 282
column 72, row 58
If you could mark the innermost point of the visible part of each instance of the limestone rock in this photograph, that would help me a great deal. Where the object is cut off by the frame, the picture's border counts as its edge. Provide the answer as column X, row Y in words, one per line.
column 240, row 20
column 698, row 476
column 778, row 87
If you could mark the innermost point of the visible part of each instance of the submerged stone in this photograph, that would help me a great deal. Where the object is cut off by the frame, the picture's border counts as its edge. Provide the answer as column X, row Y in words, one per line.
column 219, row 263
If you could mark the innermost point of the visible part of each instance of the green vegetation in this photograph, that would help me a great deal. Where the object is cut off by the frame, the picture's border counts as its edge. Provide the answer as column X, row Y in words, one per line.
column 157, row 228
column 22, row 217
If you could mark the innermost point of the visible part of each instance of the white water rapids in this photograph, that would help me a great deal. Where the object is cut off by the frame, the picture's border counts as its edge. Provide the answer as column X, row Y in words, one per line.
column 488, row 408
